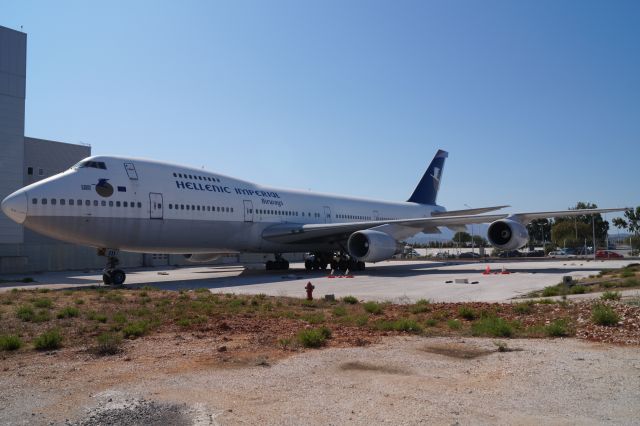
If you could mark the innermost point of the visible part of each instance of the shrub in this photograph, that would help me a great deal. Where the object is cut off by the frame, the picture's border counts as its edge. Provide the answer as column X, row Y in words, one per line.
column 326, row 332
column 467, row 313
column 420, row 306
column 578, row 289
column 10, row 342
column 79, row 302
column 351, row 300
column 25, row 313
column 431, row 322
column 314, row 318
column 454, row 324
column 407, row 325
column 43, row 303
column 68, row 312
column 48, row 340
column 135, row 329
column 372, row 307
column 627, row 273
column 119, row 318
column 313, row 338
column 557, row 328
column 108, row 344
column 41, row 316
column 551, row 291
column 604, row 315
column 611, row 295
column 339, row 311
column 630, row 282
column 492, row 326
column 523, row 308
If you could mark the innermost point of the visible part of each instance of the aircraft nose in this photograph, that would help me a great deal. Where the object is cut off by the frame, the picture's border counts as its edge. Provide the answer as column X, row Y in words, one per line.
column 15, row 206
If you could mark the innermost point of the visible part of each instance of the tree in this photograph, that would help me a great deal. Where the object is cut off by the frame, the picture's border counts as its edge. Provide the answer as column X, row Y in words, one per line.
column 479, row 241
column 568, row 234
column 540, row 230
column 462, row 237
column 631, row 223
column 601, row 226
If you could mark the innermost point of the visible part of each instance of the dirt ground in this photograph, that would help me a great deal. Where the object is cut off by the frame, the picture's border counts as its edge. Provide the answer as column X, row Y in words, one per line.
column 183, row 379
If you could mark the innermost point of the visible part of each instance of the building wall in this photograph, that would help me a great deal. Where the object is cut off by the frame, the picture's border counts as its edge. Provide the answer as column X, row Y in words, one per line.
column 13, row 67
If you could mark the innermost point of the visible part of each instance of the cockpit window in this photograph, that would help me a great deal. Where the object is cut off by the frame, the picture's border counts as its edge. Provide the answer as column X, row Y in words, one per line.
column 90, row 164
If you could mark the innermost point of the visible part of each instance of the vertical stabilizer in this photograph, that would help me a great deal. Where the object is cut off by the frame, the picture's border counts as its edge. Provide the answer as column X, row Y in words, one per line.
column 427, row 190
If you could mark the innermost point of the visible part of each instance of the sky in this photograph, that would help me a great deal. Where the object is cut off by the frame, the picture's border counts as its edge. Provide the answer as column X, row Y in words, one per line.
column 537, row 102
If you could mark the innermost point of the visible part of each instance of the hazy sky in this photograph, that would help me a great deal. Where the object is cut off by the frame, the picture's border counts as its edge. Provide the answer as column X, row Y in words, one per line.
column 537, row 102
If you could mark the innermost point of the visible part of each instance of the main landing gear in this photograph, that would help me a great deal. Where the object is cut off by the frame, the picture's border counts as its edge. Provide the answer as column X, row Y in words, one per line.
column 280, row 264
column 339, row 261
column 111, row 274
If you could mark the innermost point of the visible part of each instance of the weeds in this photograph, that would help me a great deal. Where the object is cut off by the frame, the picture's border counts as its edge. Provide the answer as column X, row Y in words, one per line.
column 108, row 344
column 611, row 295
column 313, row 338
column 68, row 312
column 420, row 307
column 43, row 302
column 10, row 342
column 373, row 308
column 49, row 340
column 350, row 300
column 523, row 308
column 604, row 315
column 339, row 311
column 467, row 313
column 492, row 326
column 557, row 328
column 25, row 313
column 454, row 324
column 135, row 329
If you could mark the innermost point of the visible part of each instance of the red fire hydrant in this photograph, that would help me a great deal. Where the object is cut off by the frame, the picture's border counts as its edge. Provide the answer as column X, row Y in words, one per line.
column 309, row 287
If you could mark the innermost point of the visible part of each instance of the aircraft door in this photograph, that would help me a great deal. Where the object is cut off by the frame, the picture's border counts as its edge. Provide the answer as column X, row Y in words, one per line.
column 155, row 202
column 248, row 211
column 131, row 171
column 327, row 214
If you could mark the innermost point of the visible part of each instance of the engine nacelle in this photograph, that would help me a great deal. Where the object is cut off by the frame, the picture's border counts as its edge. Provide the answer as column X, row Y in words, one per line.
column 507, row 234
column 371, row 246
column 202, row 257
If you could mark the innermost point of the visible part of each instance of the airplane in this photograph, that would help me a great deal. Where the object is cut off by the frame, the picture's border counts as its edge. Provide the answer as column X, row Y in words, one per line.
column 117, row 203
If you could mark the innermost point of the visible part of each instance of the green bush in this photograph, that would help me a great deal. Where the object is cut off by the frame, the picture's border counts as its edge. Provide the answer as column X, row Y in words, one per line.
column 551, row 291
column 420, row 306
column 627, row 273
column 48, row 340
column 604, row 315
column 313, row 338
column 454, row 324
column 25, row 313
column 611, row 295
column 313, row 318
column 492, row 326
column 43, row 303
column 135, row 329
column 578, row 289
column 372, row 307
column 630, row 282
column 523, row 308
column 95, row 316
column 68, row 312
column 351, row 300
column 467, row 313
column 557, row 328
column 41, row 316
column 10, row 342
column 408, row 325
column 108, row 344
column 431, row 322
column 339, row 311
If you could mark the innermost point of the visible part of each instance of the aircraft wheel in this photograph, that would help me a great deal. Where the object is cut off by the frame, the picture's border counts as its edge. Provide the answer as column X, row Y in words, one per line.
column 308, row 265
column 269, row 265
column 118, row 276
column 106, row 278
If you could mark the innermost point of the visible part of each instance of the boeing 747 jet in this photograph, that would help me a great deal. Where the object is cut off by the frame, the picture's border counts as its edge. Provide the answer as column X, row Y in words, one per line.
column 119, row 203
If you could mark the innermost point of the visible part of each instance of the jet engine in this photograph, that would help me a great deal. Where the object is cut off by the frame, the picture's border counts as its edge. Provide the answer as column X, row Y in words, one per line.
column 371, row 246
column 202, row 257
column 507, row 234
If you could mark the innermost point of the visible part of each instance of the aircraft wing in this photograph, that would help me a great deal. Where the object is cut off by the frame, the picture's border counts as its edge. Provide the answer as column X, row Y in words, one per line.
column 296, row 233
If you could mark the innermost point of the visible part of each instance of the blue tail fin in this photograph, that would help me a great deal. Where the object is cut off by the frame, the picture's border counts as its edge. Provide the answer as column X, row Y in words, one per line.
column 427, row 190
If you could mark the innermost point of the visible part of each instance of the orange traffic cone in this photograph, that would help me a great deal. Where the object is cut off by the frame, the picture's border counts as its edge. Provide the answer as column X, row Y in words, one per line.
column 504, row 271
column 487, row 271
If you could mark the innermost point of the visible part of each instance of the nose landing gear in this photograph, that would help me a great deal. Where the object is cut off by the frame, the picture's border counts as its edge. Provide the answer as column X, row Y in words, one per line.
column 111, row 274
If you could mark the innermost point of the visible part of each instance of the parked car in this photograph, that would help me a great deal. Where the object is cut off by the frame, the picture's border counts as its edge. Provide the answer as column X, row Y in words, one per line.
column 469, row 255
column 608, row 254
column 535, row 253
column 511, row 253
column 561, row 254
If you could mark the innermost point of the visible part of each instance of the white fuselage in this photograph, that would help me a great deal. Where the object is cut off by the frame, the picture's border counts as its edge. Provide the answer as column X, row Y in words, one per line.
column 154, row 207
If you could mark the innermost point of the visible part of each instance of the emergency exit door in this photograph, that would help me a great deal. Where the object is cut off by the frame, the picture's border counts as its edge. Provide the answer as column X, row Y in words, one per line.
column 248, row 211
column 155, row 201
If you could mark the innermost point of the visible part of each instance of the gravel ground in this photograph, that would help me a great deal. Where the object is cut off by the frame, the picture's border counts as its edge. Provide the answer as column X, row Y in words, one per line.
column 402, row 380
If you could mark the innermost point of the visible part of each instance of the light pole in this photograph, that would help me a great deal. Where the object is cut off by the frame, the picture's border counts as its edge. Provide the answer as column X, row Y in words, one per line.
column 473, row 243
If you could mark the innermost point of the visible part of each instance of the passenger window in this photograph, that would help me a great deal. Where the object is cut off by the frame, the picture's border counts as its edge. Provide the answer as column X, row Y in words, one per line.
column 34, row 201
column 71, row 201
column 95, row 203
column 198, row 208
column 187, row 206
column 139, row 205
column 175, row 175
column 53, row 201
column 110, row 203
column 79, row 202
column 63, row 201
column 87, row 202
column 117, row 203
column 170, row 206
column 103, row 203
column 44, row 201
column 125, row 204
